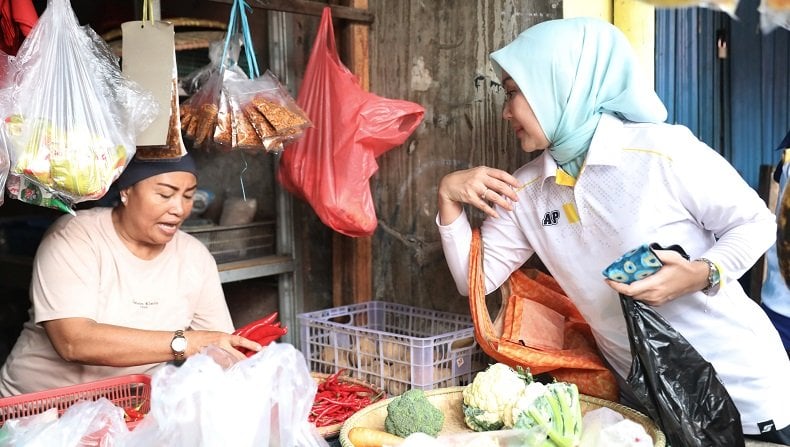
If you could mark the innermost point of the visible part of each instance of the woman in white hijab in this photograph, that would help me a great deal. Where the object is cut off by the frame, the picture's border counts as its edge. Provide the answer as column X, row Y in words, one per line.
column 611, row 177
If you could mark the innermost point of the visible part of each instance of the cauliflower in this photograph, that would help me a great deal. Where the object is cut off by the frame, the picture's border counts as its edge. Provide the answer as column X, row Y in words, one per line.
column 501, row 397
column 488, row 400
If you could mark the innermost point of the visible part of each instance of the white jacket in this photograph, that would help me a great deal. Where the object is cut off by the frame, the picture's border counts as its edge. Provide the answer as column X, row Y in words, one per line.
column 646, row 183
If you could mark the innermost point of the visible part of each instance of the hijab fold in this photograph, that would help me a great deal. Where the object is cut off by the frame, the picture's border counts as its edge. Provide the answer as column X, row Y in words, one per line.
column 571, row 71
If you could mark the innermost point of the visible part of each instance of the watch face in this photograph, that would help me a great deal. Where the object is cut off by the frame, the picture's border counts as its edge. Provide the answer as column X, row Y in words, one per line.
column 715, row 277
column 179, row 344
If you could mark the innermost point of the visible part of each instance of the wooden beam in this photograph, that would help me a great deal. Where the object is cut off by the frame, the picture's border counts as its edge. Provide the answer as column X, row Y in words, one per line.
column 312, row 8
column 352, row 275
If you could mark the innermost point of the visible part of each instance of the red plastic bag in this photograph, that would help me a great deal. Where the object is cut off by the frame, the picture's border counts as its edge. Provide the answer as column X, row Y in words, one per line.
column 330, row 167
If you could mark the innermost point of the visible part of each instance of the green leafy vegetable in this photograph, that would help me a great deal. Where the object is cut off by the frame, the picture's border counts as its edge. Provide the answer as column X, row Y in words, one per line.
column 501, row 397
column 554, row 408
column 411, row 412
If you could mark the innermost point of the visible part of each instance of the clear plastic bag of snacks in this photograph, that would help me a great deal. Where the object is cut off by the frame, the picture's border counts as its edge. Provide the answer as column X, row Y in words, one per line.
column 79, row 134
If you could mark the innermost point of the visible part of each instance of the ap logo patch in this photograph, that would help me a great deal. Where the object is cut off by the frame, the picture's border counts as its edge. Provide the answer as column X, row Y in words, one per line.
column 551, row 218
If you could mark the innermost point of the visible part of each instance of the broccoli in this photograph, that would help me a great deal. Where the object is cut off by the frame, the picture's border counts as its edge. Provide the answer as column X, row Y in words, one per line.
column 410, row 413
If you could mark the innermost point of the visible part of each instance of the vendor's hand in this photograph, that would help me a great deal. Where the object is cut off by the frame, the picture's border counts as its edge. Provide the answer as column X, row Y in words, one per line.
column 677, row 277
column 197, row 340
column 481, row 187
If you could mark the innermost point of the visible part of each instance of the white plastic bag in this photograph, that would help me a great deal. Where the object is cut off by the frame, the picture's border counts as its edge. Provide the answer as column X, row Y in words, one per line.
column 774, row 13
column 262, row 400
column 604, row 427
column 5, row 164
column 84, row 424
column 74, row 116
column 21, row 431
column 7, row 69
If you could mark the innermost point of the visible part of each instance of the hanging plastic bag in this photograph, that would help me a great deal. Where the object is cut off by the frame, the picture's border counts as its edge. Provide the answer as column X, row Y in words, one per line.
column 265, row 116
column 78, row 134
column 5, row 102
column 194, row 81
column 331, row 165
column 233, row 111
column 677, row 387
column 207, row 117
column 5, row 164
column 199, row 112
column 774, row 13
column 17, row 19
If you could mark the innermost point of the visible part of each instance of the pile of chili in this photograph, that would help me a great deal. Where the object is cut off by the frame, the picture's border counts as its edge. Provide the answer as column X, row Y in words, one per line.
column 263, row 331
column 336, row 400
column 135, row 413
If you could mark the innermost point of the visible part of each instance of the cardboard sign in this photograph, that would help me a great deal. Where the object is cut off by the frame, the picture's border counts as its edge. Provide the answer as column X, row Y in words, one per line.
column 149, row 59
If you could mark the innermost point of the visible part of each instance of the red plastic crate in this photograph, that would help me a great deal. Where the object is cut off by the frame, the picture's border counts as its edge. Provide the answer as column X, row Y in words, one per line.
column 124, row 391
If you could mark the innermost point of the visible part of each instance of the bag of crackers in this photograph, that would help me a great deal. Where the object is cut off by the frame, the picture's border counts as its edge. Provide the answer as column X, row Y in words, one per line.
column 264, row 115
column 200, row 114
column 233, row 111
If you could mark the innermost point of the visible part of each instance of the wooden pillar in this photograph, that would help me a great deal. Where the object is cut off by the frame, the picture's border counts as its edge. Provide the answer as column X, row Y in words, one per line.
column 352, row 258
column 636, row 20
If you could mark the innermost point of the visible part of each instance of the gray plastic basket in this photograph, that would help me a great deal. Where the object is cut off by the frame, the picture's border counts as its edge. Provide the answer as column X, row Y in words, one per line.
column 393, row 346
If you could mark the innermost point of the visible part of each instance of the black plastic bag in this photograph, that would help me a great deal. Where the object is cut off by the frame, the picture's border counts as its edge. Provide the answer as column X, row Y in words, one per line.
column 677, row 387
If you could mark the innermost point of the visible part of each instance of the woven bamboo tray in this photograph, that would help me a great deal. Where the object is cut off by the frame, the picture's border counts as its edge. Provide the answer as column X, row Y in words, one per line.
column 331, row 431
column 449, row 400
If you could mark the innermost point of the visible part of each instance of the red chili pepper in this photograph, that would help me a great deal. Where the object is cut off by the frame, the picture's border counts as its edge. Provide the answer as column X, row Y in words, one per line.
column 337, row 400
column 264, row 338
column 263, row 331
column 267, row 320
column 270, row 318
column 266, row 333
column 135, row 413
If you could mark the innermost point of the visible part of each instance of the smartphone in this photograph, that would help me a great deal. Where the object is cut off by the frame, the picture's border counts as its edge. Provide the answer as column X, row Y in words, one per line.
column 636, row 264
column 639, row 263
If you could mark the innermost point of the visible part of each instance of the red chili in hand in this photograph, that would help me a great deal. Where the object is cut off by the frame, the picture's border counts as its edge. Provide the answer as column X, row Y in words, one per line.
column 267, row 320
column 263, row 331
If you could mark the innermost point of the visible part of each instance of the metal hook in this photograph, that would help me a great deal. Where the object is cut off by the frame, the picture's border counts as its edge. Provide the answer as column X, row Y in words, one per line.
column 241, row 176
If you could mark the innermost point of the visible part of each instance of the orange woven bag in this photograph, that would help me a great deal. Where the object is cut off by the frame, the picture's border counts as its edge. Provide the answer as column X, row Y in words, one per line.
column 577, row 362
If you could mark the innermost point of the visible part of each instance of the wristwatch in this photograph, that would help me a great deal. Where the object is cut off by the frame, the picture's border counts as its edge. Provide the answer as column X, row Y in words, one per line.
column 178, row 345
column 714, row 278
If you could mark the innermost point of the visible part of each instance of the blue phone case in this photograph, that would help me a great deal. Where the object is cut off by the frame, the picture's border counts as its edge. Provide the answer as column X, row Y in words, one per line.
column 638, row 263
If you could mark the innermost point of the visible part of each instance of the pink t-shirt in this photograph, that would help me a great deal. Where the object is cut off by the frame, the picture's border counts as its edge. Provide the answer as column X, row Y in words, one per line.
column 82, row 269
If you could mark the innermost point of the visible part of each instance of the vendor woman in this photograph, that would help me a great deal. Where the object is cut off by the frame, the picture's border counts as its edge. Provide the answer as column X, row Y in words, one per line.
column 122, row 290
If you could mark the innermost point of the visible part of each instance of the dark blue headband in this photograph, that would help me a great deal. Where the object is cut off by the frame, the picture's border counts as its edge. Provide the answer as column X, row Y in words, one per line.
column 138, row 170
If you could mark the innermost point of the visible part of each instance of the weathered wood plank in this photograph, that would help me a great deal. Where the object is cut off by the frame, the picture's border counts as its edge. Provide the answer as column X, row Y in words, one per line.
column 436, row 53
column 310, row 8
column 353, row 261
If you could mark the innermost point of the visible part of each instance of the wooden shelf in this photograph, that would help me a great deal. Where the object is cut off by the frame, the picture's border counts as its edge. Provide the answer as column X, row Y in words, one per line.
column 255, row 268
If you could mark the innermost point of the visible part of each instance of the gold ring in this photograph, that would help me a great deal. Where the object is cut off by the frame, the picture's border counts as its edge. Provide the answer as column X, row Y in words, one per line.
column 483, row 196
